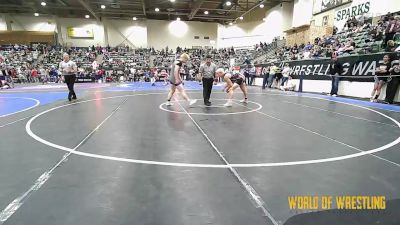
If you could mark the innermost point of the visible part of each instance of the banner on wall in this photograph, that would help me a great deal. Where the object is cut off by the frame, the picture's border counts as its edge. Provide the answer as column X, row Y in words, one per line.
column 77, row 32
column 357, row 66
column 356, row 9
column 85, row 79
column 258, row 71
column 325, row 5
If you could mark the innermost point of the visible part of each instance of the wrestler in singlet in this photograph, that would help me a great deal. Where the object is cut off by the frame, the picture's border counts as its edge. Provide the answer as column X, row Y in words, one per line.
column 233, row 81
column 176, row 81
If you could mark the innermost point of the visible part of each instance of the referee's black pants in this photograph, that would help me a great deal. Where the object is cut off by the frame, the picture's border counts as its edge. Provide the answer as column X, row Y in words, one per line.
column 207, row 87
column 70, row 81
column 265, row 80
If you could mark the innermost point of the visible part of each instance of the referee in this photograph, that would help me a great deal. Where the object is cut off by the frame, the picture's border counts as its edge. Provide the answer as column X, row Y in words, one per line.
column 68, row 69
column 207, row 72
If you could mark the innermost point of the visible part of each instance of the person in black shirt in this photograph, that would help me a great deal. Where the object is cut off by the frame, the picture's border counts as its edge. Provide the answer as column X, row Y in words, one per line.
column 381, row 76
column 393, row 84
column 335, row 71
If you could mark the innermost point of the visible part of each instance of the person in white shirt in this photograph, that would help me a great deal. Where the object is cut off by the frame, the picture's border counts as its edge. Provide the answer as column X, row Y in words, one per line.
column 272, row 72
column 306, row 54
column 69, row 69
column 95, row 65
column 44, row 75
column 290, row 85
column 285, row 73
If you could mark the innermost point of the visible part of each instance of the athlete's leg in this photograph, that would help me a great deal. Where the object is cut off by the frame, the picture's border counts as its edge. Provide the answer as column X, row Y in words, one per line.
column 171, row 92
column 230, row 95
column 182, row 91
column 244, row 90
column 184, row 95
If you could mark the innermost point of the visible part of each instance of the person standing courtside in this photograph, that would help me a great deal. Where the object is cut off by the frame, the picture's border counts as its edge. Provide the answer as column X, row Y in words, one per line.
column 207, row 72
column 335, row 71
column 69, row 69
column 393, row 83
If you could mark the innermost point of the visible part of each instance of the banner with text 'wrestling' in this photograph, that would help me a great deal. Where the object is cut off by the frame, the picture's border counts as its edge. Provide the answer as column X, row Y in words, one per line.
column 357, row 66
column 77, row 32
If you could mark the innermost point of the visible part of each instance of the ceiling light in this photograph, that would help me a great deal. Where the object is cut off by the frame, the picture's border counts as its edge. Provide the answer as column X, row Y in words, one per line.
column 262, row 6
column 87, row 16
column 134, row 18
column 172, row 0
column 103, row 6
column 241, row 18
column 228, row 3
column 206, row 12
column 265, row 19
column 230, row 23
column 36, row 14
column 43, row 3
column 179, row 19
column 157, row 9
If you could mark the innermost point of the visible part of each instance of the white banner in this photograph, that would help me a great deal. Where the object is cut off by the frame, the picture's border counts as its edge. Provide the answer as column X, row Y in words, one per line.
column 356, row 9
column 369, row 8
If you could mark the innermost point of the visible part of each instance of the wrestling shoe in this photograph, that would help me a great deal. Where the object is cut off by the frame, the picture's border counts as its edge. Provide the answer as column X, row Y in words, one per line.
column 228, row 104
column 192, row 102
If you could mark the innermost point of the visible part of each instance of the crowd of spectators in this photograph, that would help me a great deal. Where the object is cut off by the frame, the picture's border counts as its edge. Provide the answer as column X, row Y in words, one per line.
column 358, row 36
column 39, row 63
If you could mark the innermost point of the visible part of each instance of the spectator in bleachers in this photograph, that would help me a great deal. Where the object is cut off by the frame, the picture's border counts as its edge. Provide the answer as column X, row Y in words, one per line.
column 34, row 75
column 391, row 46
column 316, row 52
column 348, row 47
column 53, row 74
column 391, row 29
column 376, row 33
column 306, row 54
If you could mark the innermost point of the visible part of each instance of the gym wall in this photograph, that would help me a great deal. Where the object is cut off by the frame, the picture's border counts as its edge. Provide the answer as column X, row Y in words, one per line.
column 302, row 12
column 162, row 33
column 121, row 32
column 250, row 33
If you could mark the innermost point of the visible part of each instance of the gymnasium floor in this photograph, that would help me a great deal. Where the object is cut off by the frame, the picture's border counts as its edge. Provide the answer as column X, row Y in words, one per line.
column 120, row 156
